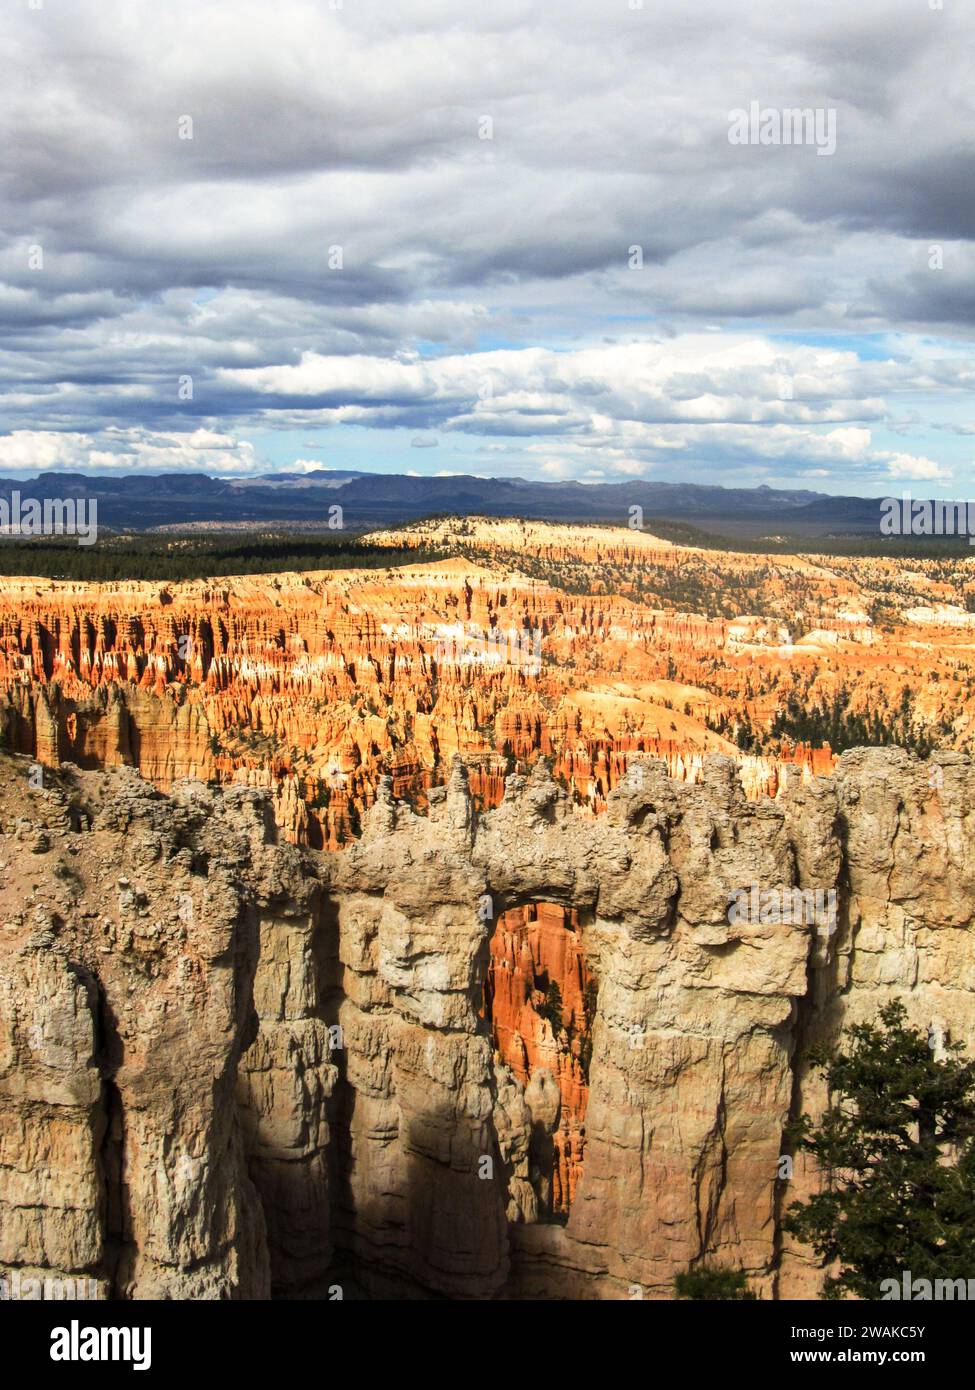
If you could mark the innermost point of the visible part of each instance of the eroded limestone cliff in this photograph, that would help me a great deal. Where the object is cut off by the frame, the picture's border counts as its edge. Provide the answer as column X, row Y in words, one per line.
column 231, row 1067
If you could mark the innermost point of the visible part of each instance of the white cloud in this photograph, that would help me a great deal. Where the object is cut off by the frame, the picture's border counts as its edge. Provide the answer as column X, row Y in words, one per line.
column 623, row 408
column 42, row 449
column 126, row 450
column 908, row 466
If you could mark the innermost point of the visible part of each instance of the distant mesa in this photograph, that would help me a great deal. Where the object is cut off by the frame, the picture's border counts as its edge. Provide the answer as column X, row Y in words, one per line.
column 141, row 500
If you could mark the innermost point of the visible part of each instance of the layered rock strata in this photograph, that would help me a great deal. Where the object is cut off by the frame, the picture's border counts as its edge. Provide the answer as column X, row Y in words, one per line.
column 230, row 1067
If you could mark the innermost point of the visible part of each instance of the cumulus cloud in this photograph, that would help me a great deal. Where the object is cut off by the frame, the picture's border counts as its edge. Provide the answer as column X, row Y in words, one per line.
column 296, row 209
column 126, row 450
column 721, row 400
column 907, row 466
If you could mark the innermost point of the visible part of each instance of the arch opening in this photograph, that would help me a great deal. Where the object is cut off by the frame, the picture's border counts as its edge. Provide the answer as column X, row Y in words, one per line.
column 540, row 1003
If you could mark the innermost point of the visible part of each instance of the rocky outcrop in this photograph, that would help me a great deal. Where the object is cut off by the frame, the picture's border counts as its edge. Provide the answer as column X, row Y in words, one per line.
column 133, row 926
column 229, row 1066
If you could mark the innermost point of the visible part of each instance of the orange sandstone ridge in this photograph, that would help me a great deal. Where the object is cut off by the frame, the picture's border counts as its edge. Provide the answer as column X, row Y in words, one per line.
column 578, row 644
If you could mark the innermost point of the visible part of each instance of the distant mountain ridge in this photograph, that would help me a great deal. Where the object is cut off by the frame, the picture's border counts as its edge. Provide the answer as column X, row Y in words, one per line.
column 137, row 501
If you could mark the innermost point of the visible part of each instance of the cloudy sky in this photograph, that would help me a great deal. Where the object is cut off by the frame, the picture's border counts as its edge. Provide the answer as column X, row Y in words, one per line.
column 510, row 238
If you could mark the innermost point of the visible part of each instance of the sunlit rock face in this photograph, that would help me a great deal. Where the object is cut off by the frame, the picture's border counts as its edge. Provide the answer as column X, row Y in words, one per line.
column 580, row 645
column 540, row 998
column 230, row 1066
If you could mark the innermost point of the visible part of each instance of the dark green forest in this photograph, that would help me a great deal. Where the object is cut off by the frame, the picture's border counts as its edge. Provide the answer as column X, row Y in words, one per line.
column 170, row 557
column 832, row 721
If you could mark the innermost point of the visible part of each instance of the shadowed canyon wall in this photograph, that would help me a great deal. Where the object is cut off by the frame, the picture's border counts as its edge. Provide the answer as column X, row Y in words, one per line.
column 231, row 1067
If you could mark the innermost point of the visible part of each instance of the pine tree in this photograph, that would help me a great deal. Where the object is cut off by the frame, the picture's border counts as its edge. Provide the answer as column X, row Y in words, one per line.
column 896, row 1148
column 552, row 1008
